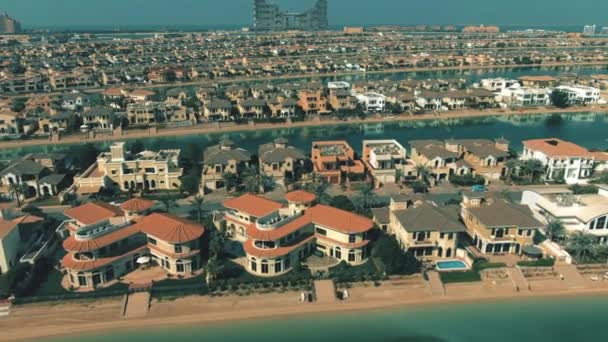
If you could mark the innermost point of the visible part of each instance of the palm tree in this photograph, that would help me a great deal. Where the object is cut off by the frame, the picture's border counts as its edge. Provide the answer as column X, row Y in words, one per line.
column 366, row 199
column 319, row 187
column 424, row 173
column 583, row 245
column 197, row 203
column 555, row 230
column 212, row 269
column 17, row 190
column 511, row 165
column 169, row 203
column 533, row 168
column 230, row 180
column 257, row 182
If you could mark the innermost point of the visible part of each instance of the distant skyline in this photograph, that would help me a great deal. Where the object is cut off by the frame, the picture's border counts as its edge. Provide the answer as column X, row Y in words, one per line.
column 109, row 13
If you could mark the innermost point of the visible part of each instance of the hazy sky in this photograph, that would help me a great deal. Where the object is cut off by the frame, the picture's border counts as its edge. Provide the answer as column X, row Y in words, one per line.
column 238, row 12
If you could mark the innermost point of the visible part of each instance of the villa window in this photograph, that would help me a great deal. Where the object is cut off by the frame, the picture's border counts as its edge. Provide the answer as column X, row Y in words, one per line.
column 520, row 232
column 321, row 231
column 441, row 235
column 278, row 267
column 180, row 266
column 351, row 255
column 152, row 241
column 450, row 236
column 529, row 232
column 109, row 273
column 254, row 265
column 264, row 267
column 178, row 249
column 82, row 279
column 352, row 238
column 337, row 253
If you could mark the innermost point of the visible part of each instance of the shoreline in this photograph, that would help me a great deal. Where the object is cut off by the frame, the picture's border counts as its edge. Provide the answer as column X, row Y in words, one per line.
column 229, row 314
column 198, row 130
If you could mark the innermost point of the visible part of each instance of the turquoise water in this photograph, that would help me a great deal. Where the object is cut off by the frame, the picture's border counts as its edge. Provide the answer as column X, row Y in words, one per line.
column 451, row 265
column 539, row 320
column 587, row 129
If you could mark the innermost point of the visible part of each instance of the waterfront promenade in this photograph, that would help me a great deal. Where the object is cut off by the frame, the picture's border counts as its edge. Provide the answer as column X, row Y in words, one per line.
column 232, row 127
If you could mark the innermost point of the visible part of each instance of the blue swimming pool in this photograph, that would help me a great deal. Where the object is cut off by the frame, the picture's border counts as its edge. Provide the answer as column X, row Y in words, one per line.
column 451, row 265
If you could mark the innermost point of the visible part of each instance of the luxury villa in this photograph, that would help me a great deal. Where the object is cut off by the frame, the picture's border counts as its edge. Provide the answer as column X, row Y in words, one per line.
column 104, row 242
column 275, row 237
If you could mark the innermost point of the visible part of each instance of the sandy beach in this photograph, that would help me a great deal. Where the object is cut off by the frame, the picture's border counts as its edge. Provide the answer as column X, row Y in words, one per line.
column 209, row 129
column 34, row 321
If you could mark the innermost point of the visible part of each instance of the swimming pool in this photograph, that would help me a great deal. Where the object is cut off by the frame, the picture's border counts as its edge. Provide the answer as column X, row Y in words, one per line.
column 451, row 265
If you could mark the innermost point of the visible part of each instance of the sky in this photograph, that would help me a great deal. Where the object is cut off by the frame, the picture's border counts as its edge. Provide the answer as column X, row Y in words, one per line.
column 65, row 13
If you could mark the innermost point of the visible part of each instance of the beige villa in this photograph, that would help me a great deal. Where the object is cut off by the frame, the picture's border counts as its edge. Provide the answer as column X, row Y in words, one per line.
column 284, row 163
column 145, row 170
column 276, row 237
column 104, row 242
column 221, row 159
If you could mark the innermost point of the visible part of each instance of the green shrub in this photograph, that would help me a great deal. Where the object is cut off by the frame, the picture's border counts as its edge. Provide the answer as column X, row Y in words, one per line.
column 459, row 277
column 537, row 263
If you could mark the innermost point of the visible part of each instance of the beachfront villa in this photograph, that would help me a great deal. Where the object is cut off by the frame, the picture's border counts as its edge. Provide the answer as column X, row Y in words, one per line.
column 385, row 159
column 578, row 213
column 563, row 160
column 277, row 237
column 127, row 171
column 104, row 242
column 222, row 159
column 436, row 156
column 496, row 226
column 429, row 231
column 335, row 161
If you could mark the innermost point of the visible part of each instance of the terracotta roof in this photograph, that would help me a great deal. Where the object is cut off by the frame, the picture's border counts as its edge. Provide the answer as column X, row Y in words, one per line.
column 275, row 252
column 137, row 205
column 600, row 156
column 170, row 228
column 274, row 234
column 300, row 196
column 555, row 147
column 359, row 244
column 93, row 212
column 74, row 245
column 69, row 262
column 340, row 220
column 254, row 205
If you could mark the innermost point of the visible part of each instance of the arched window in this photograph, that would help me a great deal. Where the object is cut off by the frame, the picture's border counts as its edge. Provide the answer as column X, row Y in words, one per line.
column 180, row 266
column 351, row 256
column 153, row 184
column 337, row 253
column 126, row 185
column 448, row 253
column 440, row 252
column 254, row 265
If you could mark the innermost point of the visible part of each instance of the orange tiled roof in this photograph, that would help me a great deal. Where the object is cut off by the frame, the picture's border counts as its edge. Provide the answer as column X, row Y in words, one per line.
column 93, row 212
column 272, row 253
column 340, row 220
column 69, row 262
column 137, row 205
column 170, row 228
column 555, row 147
column 300, row 196
column 254, row 205
column 74, row 245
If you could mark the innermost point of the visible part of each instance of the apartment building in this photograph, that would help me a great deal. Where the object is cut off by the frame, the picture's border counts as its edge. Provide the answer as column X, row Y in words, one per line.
column 145, row 170
column 276, row 237
column 496, row 226
column 221, row 159
column 563, row 160
column 335, row 161
column 104, row 242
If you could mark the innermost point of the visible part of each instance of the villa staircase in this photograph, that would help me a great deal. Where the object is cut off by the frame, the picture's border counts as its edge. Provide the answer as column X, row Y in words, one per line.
column 520, row 283
column 137, row 302
column 325, row 291
column 437, row 288
column 5, row 308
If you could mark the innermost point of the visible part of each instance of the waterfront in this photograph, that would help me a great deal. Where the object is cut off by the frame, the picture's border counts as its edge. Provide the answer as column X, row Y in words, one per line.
column 587, row 129
column 545, row 319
